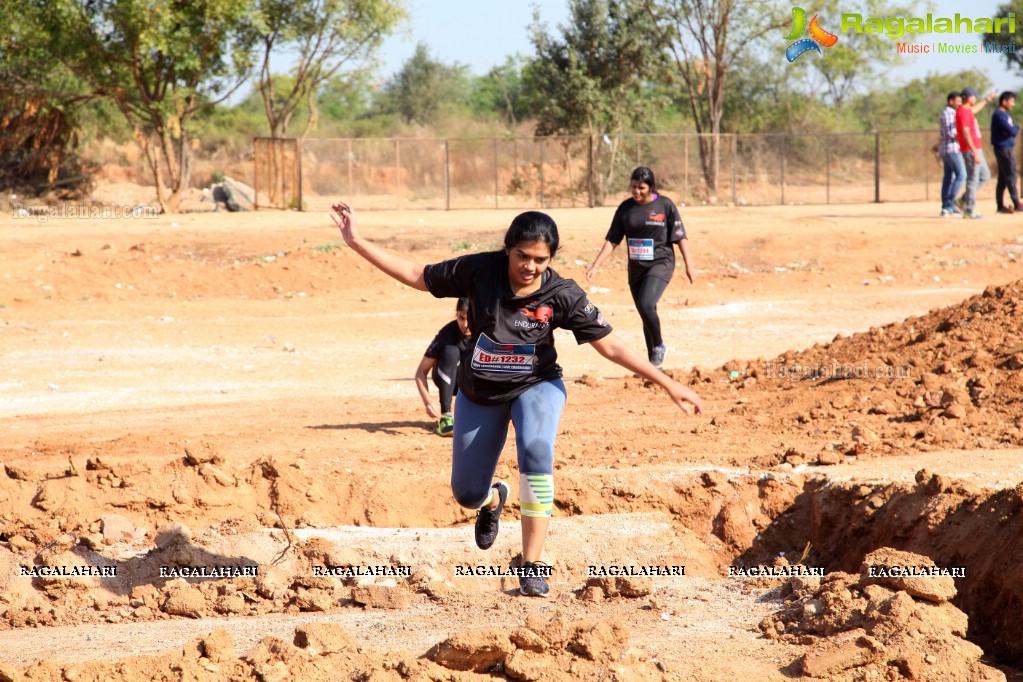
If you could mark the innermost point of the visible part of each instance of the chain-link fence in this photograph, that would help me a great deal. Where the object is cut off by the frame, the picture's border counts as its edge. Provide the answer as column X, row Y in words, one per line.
column 553, row 172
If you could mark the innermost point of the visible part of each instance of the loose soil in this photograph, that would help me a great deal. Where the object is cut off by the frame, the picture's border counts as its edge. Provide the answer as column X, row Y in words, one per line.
column 235, row 391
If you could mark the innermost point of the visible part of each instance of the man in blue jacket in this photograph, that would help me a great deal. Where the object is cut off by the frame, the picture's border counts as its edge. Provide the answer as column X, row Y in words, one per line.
column 1003, row 139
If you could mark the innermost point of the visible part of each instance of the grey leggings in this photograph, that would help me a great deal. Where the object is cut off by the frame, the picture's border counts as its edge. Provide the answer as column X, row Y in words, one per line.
column 481, row 431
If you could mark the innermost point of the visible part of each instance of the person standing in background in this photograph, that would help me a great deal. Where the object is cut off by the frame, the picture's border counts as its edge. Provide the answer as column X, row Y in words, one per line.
column 948, row 148
column 1003, row 139
column 968, row 130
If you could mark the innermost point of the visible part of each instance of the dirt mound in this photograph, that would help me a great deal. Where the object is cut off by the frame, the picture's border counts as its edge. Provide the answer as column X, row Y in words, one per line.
column 69, row 582
column 231, row 570
column 542, row 649
column 545, row 650
column 950, row 379
column 954, row 524
column 860, row 627
column 971, row 533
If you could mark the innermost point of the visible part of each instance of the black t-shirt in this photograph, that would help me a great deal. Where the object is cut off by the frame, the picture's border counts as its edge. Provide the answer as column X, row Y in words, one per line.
column 512, row 342
column 449, row 335
column 650, row 230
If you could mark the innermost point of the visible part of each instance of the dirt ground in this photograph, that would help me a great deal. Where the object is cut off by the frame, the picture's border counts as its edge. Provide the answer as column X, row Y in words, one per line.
column 235, row 390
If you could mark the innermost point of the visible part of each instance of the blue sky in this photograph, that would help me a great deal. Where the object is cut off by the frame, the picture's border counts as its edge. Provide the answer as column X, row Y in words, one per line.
column 482, row 33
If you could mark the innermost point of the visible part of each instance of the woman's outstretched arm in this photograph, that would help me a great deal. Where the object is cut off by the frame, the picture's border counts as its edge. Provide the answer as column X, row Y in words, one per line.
column 618, row 352
column 400, row 268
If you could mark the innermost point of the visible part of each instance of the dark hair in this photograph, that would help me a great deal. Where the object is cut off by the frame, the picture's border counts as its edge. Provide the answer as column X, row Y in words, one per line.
column 462, row 303
column 532, row 226
column 646, row 176
column 953, row 95
column 1007, row 95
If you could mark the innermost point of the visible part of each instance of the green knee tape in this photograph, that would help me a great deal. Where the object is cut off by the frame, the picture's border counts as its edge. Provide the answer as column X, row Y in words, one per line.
column 536, row 494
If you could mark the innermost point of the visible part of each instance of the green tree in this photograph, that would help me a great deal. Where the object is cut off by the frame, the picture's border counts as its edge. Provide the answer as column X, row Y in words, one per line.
column 591, row 78
column 424, row 88
column 346, row 96
column 1013, row 59
column 503, row 91
column 761, row 98
column 325, row 35
column 706, row 39
column 919, row 101
column 41, row 102
column 594, row 78
column 858, row 57
column 160, row 63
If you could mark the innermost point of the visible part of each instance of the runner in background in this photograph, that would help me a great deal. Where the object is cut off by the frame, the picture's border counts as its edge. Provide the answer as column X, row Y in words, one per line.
column 509, row 371
column 441, row 361
column 651, row 224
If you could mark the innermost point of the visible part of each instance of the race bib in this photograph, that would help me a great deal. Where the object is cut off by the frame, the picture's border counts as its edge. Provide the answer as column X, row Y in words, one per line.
column 641, row 249
column 489, row 356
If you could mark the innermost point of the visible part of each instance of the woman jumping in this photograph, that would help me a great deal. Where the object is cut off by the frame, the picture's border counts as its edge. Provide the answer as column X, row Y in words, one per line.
column 509, row 370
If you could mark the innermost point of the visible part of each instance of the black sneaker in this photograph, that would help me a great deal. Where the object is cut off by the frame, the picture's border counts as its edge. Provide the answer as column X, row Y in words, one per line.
column 488, row 520
column 533, row 579
column 657, row 355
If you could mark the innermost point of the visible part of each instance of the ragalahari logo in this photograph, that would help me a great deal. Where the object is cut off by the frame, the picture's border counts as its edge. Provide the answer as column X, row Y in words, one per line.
column 818, row 36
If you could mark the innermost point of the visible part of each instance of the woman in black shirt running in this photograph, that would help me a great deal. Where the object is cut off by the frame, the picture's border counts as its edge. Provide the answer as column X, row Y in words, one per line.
column 440, row 361
column 651, row 224
column 509, row 370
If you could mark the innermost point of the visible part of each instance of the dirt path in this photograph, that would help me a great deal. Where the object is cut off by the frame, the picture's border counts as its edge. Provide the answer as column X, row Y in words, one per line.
column 281, row 364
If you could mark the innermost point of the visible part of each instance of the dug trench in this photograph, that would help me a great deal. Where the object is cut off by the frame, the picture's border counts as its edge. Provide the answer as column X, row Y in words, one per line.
column 706, row 519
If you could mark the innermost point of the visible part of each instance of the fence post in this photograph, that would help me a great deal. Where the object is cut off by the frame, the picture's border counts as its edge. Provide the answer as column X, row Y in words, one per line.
column 351, row 159
column 927, row 172
column 877, row 168
column 447, row 177
column 542, row 204
column 255, row 175
column 783, row 139
column 827, row 174
column 515, row 156
column 397, row 166
column 298, row 162
column 685, row 166
column 589, row 174
column 735, row 153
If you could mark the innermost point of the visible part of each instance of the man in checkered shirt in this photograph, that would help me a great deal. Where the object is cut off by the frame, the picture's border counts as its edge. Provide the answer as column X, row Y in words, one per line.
column 948, row 148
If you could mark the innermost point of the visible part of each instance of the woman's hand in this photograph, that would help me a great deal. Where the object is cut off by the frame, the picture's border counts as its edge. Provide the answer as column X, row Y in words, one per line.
column 615, row 350
column 344, row 218
column 605, row 250
column 685, row 398
column 432, row 410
